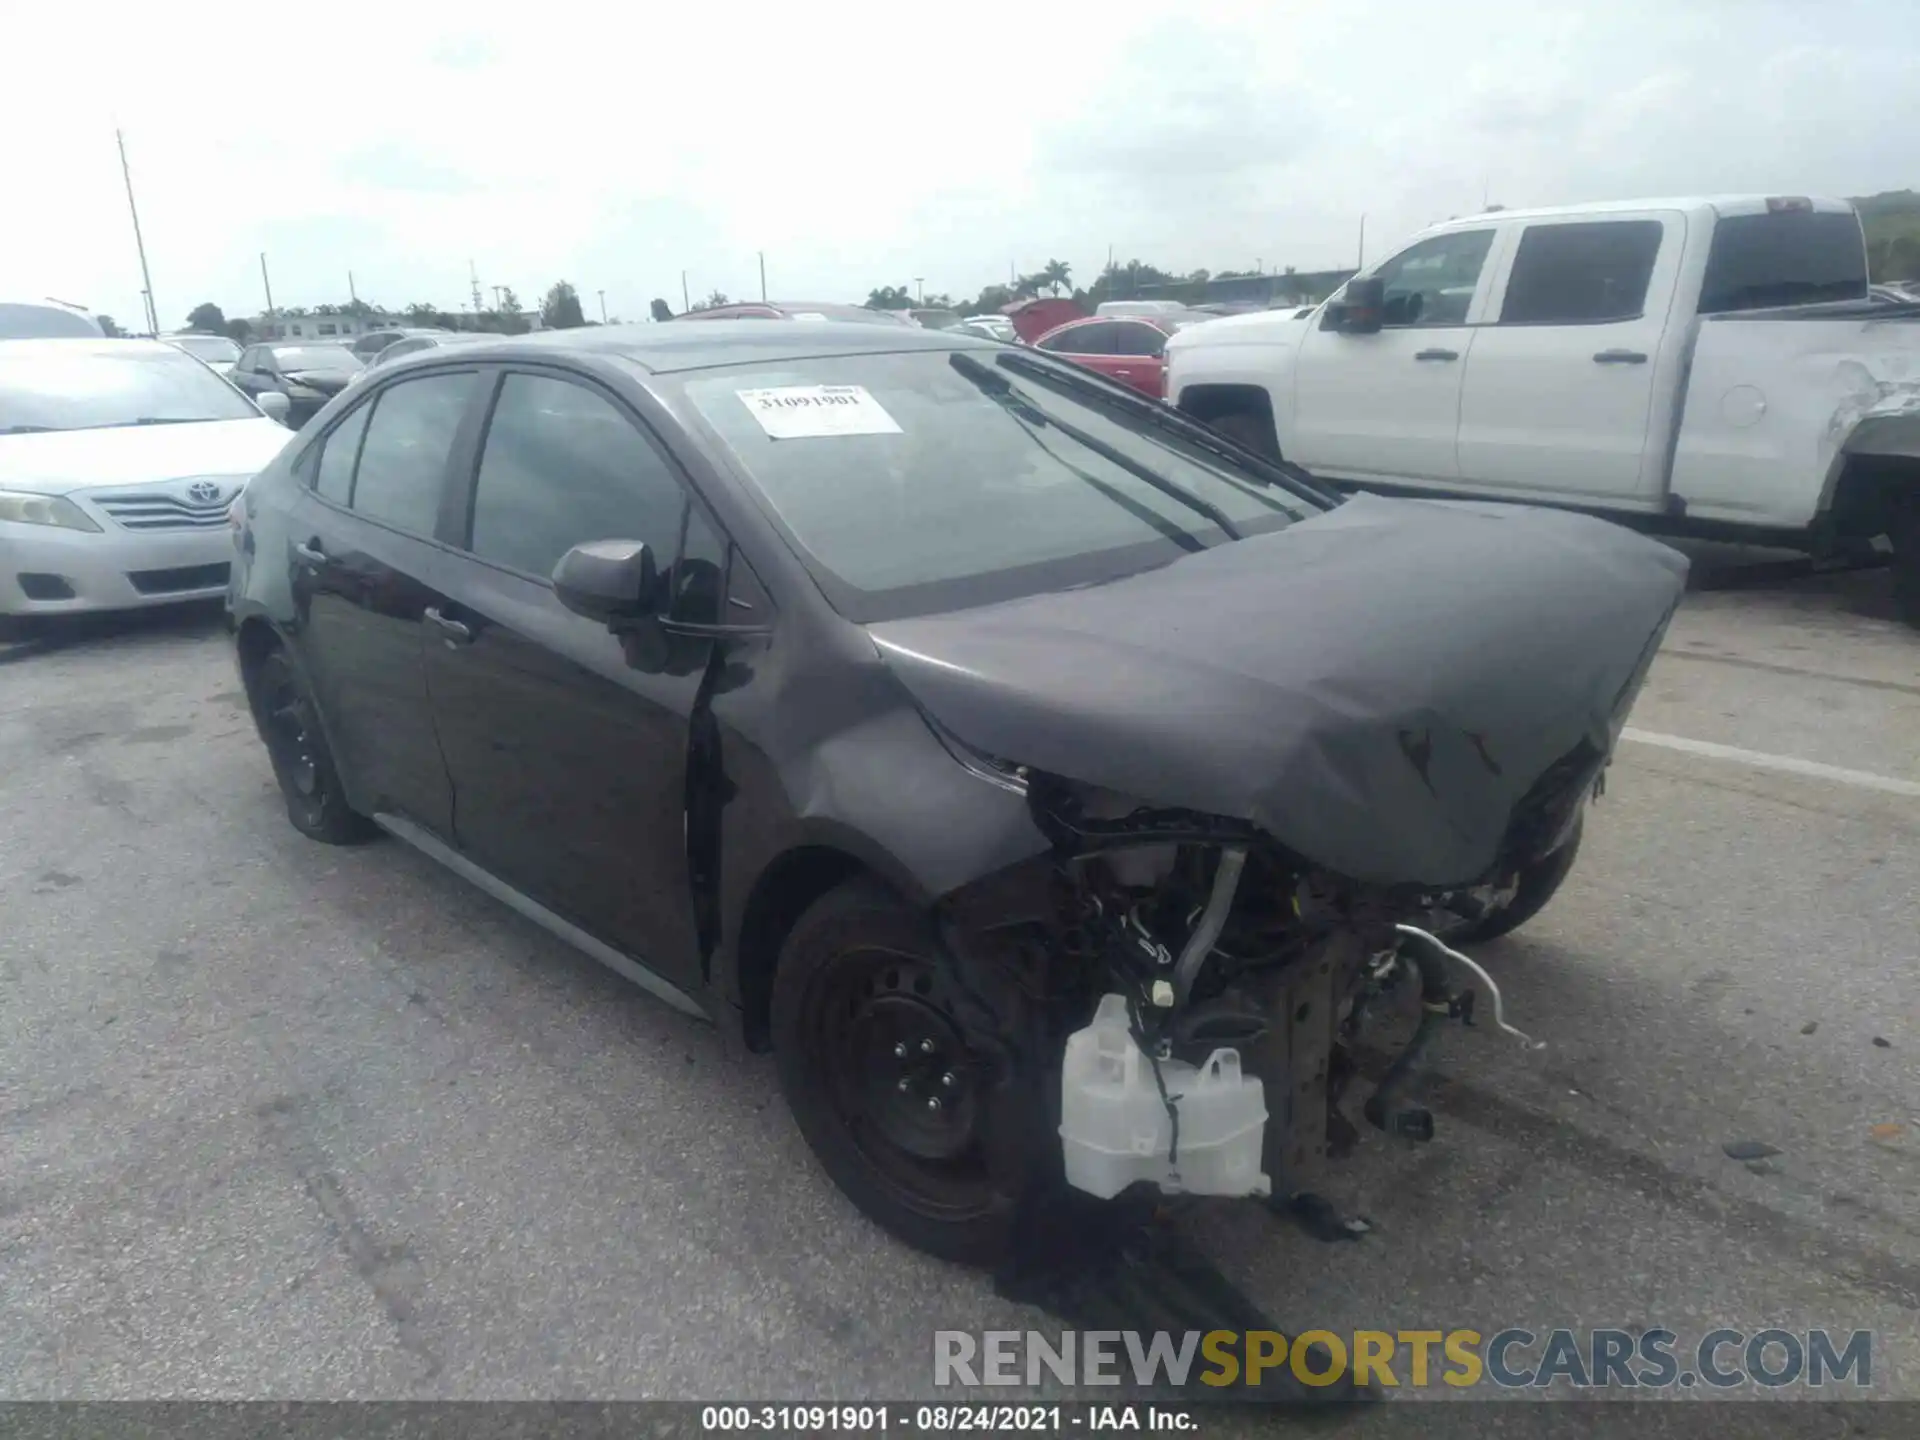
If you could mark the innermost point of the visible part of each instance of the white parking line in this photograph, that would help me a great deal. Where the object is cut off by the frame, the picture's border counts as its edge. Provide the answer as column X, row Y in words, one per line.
column 1787, row 764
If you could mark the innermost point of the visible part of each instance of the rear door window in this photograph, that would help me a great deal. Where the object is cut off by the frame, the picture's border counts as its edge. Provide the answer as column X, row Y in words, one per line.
column 403, row 457
column 1581, row 274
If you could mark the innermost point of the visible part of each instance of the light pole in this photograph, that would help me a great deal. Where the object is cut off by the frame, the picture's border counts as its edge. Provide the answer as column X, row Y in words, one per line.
column 603, row 306
column 686, row 303
column 267, row 285
column 920, row 288
column 153, row 314
column 763, row 277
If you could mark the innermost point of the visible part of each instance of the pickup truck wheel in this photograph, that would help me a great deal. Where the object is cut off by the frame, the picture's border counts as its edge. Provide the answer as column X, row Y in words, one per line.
column 876, row 1065
column 1537, row 885
column 1905, row 534
column 1250, row 431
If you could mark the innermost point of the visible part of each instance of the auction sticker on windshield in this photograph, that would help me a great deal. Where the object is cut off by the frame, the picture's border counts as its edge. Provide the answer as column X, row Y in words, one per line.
column 799, row 412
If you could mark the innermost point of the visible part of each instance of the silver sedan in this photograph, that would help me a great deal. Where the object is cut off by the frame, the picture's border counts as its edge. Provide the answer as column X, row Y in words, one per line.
column 119, row 460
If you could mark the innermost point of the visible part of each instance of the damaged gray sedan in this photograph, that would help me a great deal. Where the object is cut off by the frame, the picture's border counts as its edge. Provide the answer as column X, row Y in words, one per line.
column 1057, row 789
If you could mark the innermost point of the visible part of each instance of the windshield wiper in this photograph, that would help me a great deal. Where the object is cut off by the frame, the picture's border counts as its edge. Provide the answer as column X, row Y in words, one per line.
column 1277, row 473
column 990, row 382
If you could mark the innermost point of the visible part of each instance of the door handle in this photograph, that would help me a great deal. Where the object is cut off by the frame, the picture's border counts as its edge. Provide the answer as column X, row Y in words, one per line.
column 453, row 630
column 1438, row 355
column 1619, row 357
column 309, row 554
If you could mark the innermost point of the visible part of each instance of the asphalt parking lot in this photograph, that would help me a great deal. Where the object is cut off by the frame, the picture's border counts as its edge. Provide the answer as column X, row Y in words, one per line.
column 283, row 1120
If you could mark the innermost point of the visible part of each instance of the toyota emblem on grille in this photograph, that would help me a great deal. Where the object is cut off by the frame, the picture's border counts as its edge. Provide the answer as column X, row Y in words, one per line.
column 203, row 492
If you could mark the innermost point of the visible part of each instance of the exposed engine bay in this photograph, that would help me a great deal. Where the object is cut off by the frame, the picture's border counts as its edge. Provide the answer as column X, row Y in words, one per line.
column 1228, row 984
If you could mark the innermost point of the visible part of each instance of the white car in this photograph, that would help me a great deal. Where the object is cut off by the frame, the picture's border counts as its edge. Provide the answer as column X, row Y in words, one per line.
column 216, row 352
column 118, row 462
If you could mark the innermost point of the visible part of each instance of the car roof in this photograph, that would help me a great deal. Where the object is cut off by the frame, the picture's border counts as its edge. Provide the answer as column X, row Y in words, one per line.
column 1721, row 205
column 86, row 345
column 664, row 349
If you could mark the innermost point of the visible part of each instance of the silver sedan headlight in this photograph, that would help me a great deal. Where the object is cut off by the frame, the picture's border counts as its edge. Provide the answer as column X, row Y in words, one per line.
column 44, row 510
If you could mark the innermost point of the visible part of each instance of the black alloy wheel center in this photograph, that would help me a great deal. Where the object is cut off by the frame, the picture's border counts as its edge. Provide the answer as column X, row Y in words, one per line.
column 294, row 727
column 916, row 1078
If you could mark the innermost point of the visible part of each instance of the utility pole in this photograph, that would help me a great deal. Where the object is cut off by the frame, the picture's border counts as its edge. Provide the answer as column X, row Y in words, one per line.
column 153, row 313
column 686, row 302
column 920, row 288
column 1360, row 260
column 352, row 294
column 479, row 302
column 603, row 306
column 267, row 285
column 763, row 277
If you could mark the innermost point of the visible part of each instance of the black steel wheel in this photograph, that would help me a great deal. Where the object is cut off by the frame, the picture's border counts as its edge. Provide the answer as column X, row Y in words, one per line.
column 297, row 747
column 876, row 1061
column 1537, row 885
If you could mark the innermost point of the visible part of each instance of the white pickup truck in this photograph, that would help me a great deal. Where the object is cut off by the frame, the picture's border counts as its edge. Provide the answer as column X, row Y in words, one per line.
column 1707, row 367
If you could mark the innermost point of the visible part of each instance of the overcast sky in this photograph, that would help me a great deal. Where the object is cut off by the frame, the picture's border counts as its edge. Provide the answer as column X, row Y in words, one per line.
column 862, row 145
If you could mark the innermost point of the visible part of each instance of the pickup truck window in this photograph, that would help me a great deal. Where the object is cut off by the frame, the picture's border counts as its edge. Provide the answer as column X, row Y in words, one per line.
column 1785, row 258
column 1432, row 283
column 1581, row 274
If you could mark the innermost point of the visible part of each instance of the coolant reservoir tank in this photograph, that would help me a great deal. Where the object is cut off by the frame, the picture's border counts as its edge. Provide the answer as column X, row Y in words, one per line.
column 1115, row 1130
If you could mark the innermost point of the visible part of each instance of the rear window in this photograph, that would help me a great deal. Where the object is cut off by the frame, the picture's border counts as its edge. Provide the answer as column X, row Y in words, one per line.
column 1785, row 258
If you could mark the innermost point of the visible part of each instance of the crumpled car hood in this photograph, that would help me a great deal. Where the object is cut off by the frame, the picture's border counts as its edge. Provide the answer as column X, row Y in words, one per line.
column 1382, row 688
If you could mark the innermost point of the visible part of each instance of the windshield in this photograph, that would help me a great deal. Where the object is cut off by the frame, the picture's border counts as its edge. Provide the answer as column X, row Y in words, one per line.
column 315, row 357
column 1784, row 258
column 933, row 480
column 206, row 347
column 94, row 391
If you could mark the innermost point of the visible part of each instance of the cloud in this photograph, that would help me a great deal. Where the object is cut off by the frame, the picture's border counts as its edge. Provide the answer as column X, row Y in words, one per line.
column 870, row 144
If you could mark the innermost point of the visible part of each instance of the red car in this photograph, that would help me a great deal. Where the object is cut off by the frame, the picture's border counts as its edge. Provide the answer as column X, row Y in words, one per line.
column 1129, row 348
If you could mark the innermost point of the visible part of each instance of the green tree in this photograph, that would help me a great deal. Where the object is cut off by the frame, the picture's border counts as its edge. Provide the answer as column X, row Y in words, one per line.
column 1055, row 275
column 660, row 310
column 890, row 297
column 561, row 309
column 239, row 331
column 207, row 317
column 108, row 327
column 713, row 301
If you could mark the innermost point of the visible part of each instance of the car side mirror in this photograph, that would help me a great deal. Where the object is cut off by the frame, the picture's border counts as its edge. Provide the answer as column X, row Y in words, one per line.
column 274, row 404
column 610, row 581
column 1362, row 309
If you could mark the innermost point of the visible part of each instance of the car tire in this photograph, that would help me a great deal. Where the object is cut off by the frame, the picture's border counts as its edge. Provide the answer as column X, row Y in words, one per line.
column 1539, row 883
column 874, row 1059
column 18, row 629
column 1905, row 534
column 289, row 723
column 1250, row 430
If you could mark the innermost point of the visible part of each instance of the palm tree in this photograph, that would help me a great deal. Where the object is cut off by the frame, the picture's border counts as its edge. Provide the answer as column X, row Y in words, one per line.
column 1057, row 273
